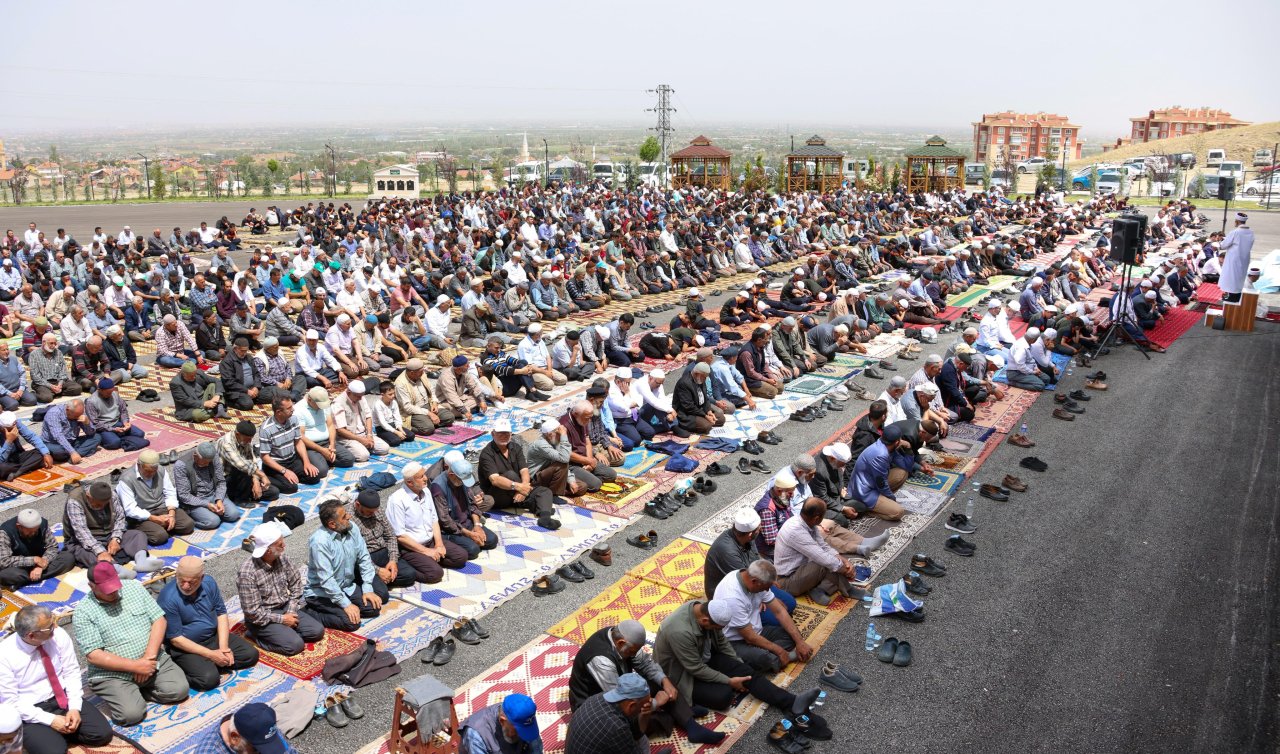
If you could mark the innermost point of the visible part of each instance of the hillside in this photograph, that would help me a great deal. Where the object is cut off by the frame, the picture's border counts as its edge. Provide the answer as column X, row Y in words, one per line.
column 1240, row 144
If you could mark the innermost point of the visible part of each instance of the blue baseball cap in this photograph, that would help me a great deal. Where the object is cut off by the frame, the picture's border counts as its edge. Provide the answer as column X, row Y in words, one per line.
column 462, row 468
column 630, row 686
column 256, row 723
column 522, row 713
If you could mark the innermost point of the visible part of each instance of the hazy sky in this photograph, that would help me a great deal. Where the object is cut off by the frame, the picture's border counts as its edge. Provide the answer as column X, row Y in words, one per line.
column 925, row 64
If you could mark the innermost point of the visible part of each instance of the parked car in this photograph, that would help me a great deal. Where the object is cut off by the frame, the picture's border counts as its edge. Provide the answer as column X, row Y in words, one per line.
column 1060, row 180
column 1109, row 183
column 1215, row 157
column 855, row 169
column 1000, row 178
column 612, row 173
column 1208, row 187
column 1259, row 186
column 1184, row 159
column 975, row 174
column 525, row 172
column 651, row 174
column 1261, row 158
column 1232, row 168
column 1031, row 165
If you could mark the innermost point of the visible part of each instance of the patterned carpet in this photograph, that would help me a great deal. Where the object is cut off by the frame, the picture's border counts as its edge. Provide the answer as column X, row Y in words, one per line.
column 43, row 480
column 1003, row 415
column 813, row 384
column 164, row 436
column 308, row 663
column 626, row 501
column 677, row 566
column 1176, row 323
column 629, row 598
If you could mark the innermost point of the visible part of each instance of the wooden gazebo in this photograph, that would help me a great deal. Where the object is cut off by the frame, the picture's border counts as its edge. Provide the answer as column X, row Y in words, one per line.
column 935, row 167
column 701, row 164
column 815, row 167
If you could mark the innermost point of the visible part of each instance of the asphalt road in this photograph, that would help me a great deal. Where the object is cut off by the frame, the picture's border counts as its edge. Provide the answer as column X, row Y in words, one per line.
column 81, row 219
column 1104, row 610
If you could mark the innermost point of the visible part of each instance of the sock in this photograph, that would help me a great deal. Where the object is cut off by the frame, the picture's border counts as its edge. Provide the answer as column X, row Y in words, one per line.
column 871, row 544
column 700, row 734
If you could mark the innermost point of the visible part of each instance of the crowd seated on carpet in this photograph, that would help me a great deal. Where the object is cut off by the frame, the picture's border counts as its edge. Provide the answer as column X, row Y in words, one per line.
column 409, row 316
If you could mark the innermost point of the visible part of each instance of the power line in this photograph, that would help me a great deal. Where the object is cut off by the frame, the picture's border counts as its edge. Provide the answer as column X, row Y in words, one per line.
column 664, row 111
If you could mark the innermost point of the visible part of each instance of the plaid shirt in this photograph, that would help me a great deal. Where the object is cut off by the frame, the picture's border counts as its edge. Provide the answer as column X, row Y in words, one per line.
column 9, row 560
column 377, row 531
column 267, row 592
column 121, row 628
column 277, row 369
column 599, row 726
column 174, row 343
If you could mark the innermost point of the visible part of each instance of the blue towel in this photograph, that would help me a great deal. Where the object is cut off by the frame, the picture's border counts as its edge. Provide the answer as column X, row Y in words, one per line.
column 670, row 447
column 719, row 443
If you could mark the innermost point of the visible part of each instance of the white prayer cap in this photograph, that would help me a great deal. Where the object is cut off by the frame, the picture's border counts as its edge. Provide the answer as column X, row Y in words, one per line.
column 933, row 358
column 29, row 518
column 693, row 292
column 842, row 329
column 1242, row 217
column 411, row 470
column 746, row 520
column 8, row 419
column 549, row 426
column 502, row 425
column 995, row 303
column 441, row 299
column 822, row 296
column 701, row 341
column 623, row 373
column 602, row 331
column 1015, row 306
column 1050, row 334
column 1033, row 332
column 356, row 386
column 319, row 291
column 658, row 374
column 928, row 388
column 1088, row 254
column 535, row 328
column 344, row 318
column 997, row 361
column 312, row 335
column 1149, row 295
column 1145, row 284
column 797, row 271
column 1037, row 282
column 838, row 451
column 785, row 480
column 263, row 536
column 546, row 274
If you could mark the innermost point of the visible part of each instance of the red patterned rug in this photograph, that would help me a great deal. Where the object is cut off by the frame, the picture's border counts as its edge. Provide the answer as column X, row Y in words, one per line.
column 1176, row 322
column 164, row 436
column 1003, row 415
column 950, row 314
column 1208, row 293
column 310, row 661
column 43, row 480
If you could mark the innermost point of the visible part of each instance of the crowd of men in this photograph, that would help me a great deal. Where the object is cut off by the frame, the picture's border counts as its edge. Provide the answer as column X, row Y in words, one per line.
column 367, row 298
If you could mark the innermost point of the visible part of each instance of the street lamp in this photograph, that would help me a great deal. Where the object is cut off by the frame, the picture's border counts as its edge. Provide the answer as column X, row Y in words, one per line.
column 546, row 169
column 146, row 172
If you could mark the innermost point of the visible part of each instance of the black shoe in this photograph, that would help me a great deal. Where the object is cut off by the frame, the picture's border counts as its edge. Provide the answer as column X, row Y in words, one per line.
column 752, row 447
column 568, row 574
column 960, row 547
column 813, row 727
column 546, row 586
column 336, row 717
column 686, row 498
column 548, row 523
column 886, row 364
column 718, row 469
column 914, row 616
column 759, row 466
column 447, row 650
column 1073, row 407
column 780, row 737
column 916, row 585
column 767, row 438
column 1080, row 395
column 576, row 565
column 887, row 650
column 428, row 655
column 480, row 630
column 352, row 708
column 644, row 541
column 991, row 492
column 463, row 632
column 902, row 655
column 831, row 404
column 927, row 565
column 801, row 416
column 873, row 373
column 959, row 522
column 744, row 465
column 657, row 511
column 1033, row 463
column 534, row 395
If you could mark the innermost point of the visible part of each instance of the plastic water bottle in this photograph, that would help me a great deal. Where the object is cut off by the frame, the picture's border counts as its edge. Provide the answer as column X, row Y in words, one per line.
column 871, row 636
column 968, row 509
column 1024, row 430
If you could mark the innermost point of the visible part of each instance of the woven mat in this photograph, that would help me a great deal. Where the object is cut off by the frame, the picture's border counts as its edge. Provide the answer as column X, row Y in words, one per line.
column 1003, row 415
column 422, row 450
column 972, row 296
column 1208, row 293
column 216, row 426
column 834, row 370
column 155, row 380
column 942, row 481
column 308, row 663
column 626, row 501
column 768, row 414
column 164, row 436
column 709, row 528
column 967, row 431
column 43, row 480
column 1177, row 321
column 628, row 598
column 456, row 434
column 114, row 746
column 677, row 566
column 949, row 314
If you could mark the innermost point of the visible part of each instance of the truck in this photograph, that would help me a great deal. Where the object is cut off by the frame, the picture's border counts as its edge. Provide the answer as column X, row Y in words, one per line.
column 612, row 173
column 1215, row 157
column 525, row 172
column 855, row 169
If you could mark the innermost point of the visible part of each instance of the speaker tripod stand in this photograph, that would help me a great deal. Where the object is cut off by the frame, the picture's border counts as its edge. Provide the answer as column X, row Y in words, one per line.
column 1120, row 316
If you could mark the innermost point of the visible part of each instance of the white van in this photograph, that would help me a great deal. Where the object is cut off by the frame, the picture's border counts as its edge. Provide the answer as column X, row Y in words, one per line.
column 1233, row 168
column 525, row 172
column 1215, row 157
column 1262, row 158
column 855, row 169
column 612, row 173
column 653, row 174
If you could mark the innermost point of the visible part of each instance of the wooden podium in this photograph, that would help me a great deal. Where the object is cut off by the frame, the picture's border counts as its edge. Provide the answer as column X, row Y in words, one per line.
column 1236, row 317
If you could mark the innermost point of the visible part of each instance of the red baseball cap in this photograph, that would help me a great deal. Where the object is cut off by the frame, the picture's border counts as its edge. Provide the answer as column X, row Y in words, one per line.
column 104, row 576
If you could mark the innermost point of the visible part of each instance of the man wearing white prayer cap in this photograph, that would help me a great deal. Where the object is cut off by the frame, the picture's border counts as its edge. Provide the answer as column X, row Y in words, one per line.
column 733, row 550
column 1235, row 268
column 549, row 457
column 29, row 551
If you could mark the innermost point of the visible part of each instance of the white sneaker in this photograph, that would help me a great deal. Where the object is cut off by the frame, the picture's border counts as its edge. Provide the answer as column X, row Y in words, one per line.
column 144, row 563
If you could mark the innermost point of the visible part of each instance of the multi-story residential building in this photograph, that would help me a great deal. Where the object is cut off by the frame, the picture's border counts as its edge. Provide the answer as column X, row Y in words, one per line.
column 1019, row 136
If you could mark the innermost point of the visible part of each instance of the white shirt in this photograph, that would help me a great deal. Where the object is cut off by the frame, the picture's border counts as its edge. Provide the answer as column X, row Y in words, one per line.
column 310, row 363
column 32, row 237
column 745, row 605
column 438, row 322
column 303, row 264
column 24, row 682
column 208, row 235
column 412, row 516
column 351, row 301
column 989, row 333
column 742, row 255
column 624, row 406
column 339, row 340
column 386, row 416
column 75, row 333
column 895, row 411
column 533, row 353
column 130, row 503
column 1020, row 357
column 515, row 273
column 656, row 398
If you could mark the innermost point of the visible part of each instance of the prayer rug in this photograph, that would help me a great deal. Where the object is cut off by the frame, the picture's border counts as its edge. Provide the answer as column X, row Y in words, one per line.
column 1060, row 364
column 155, row 380
column 1003, row 415
column 712, row 526
column 308, row 663
column 855, row 360
column 971, row 297
column 1208, row 293
column 1176, row 322
column 999, row 282
column 901, row 535
column 942, row 481
column 1018, row 327
column 677, row 566
column 216, row 426
column 422, row 450
column 41, row 481
column 525, row 552
column 834, row 370
column 949, row 314
column 628, row 598
column 812, row 384
column 456, row 434
column 164, row 436
column 114, row 746
column 177, row 729
column 558, row 407
column 404, row 629
column 639, row 461
column 920, row 501
column 967, row 431
column 623, row 498
column 746, row 423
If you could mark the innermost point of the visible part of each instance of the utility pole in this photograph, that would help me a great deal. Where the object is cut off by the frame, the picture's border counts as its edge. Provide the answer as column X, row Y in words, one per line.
column 146, row 172
column 664, row 129
column 333, row 170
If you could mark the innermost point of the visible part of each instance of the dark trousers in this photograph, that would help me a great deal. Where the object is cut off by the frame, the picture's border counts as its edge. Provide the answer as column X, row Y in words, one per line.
column 513, row 384
column 332, row 616
column 540, row 502
column 390, row 439
column 85, row 445
column 762, row 659
column 17, row 577
column 240, row 488
column 720, row 696
column 472, row 548
column 295, row 465
column 94, row 730
column 20, row 462
column 405, row 575
column 328, row 374
column 633, row 433
column 117, row 439
column 130, row 543
column 431, row 571
column 554, row 477
column 156, row 534
column 617, row 357
column 286, row 640
column 202, row 673
column 655, row 420
column 244, row 402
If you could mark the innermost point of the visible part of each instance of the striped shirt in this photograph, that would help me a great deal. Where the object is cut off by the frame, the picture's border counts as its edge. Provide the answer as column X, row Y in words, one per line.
column 278, row 440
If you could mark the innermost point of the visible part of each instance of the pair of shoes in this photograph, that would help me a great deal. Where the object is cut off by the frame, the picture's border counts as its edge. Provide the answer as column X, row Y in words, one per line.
column 439, row 651
column 168, row 459
column 873, row 373
column 783, row 738
column 886, row 364
column 468, row 631
column 1063, row 414
column 704, row 486
column 687, row 497
column 718, row 469
column 1021, row 440
column 1033, row 463
column 913, row 616
column 1079, row 395
column 752, row 447
column 602, row 554
column 895, row 652
column 831, row 404
column 769, row 438
column 341, row 709
column 657, row 510
column 838, row 678
column 1013, row 483
column 1072, row 406
column 802, row 416
column 906, row 355
column 927, row 565
column 575, row 572
column 1059, row 398
column 915, row 584
column 960, row 546
column 992, row 492
column 547, row 586
column 1095, row 384
column 644, row 541
column 959, row 522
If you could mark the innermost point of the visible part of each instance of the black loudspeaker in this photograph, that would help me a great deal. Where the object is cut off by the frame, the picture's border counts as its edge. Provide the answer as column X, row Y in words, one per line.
column 1227, row 187
column 1126, row 240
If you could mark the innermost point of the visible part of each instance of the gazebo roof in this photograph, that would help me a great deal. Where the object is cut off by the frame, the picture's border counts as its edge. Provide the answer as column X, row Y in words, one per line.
column 816, row 146
column 701, row 147
column 936, row 146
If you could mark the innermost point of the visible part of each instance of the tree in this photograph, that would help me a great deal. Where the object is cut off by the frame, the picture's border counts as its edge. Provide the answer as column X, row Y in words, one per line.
column 1093, row 179
column 53, row 153
column 633, row 175
column 158, row 186
column 754, row 176
column 650, row 150
column 896, row 180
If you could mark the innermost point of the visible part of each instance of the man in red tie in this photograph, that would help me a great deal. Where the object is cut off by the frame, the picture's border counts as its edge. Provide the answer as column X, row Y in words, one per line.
column 40, row 677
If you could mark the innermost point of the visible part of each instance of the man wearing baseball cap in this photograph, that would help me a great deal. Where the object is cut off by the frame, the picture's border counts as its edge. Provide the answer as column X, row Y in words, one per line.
column 509, row 728
column 251, row 730
column 461, row 506
column 607, row 722
column 270, row 588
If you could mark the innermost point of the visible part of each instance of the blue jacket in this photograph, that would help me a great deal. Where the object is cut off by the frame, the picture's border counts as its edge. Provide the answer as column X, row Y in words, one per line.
column 949, row 382
column 870, row 478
